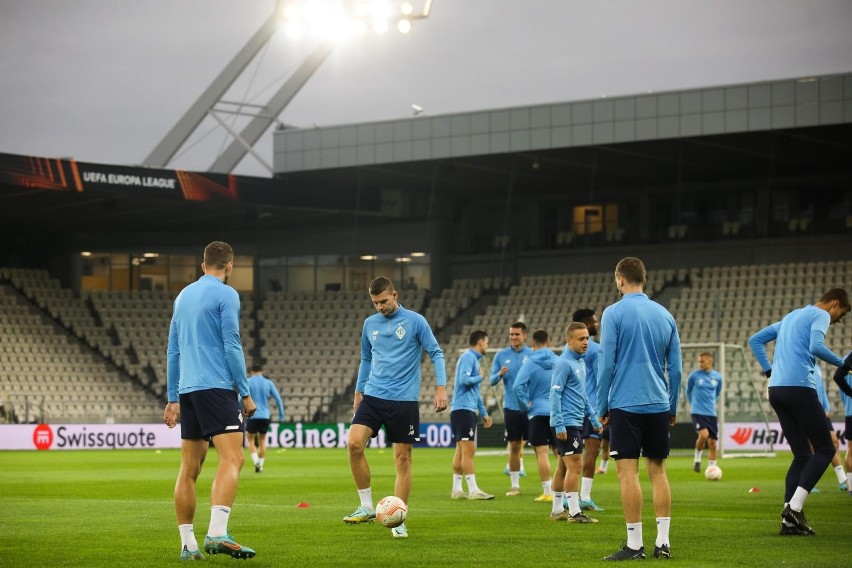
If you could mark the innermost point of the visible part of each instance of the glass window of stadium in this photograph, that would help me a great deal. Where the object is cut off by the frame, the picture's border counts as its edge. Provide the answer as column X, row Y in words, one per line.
column 153, row 271
column 318, row 273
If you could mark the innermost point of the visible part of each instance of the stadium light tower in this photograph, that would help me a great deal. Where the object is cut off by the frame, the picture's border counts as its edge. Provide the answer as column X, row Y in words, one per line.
column 327, row 21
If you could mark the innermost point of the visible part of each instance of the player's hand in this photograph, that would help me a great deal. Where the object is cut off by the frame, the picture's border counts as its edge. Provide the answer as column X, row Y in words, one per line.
column 672, row 420
column 503, row 371
column 768, row 373
column 604, row 420
column 249, row 407
column 171, row 415
column 562, row 436
column 598, row 430
column 357, row 402
column 487, row 422
column 441, row 399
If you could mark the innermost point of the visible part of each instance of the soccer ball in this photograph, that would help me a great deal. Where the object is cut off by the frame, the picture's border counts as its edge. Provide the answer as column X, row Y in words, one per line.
column 713, row 473
column 391, row 511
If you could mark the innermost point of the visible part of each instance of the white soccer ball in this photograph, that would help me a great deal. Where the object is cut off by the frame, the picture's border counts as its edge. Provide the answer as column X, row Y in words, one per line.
column 713, row 473
column 391, row 511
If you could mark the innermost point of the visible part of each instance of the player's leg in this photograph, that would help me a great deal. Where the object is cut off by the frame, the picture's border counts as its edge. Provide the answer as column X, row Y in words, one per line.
column 402, row 461
column 778, row 400
column 662, row 496
column 700, row 443
column 557, row 509
column 848, row 437
column 458, row 423
column 541, row 438
column 591, row 448
column 626, row 444
column 602, row 469
column 193, row 453
column 229, row 447
column 836, row 462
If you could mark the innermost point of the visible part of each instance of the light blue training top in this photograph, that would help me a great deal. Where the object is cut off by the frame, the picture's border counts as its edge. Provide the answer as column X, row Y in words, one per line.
column 568, row 400
column 512, row 359
column 466, row 394
column 532, row 385
column 205, row 351
column 847, row 400
column 390, row 355
column 799, row 340
column 702, row 391
column 591, row 359
column 261, row 390
column 639, row 344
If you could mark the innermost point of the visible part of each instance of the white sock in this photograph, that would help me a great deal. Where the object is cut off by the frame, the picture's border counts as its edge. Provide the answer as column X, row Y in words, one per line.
column 219, row 520
column 187, row 538
column 711, row 462
column 573, row 502
column 797, row 503
column 663, row 524
column 841, row 475
column 260, row 462
column 546, row 488
column 254, row 458
column 558, row 503
column 634, row 535
column 698, row 456
column 366, row 496
column 457, row 483
column 515, row 476
column 586, row 488
column 471, row 483
column 604, row 465
column 522, row 463
column 849, row 480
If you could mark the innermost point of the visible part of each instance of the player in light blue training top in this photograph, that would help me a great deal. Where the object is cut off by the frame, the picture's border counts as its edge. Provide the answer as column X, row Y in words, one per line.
column 467, row 400
column 844, row 382
column 799, row 339
column 507, row 363
column 262, row 389
column 703, row 388
column 206, row 378
column 640, row 346
column 836, row 463
column 569, row 406
column 388, row 390
column 532, row 388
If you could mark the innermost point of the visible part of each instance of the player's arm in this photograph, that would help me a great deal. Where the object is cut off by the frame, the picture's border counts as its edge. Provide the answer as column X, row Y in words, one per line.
column 757, row 344
column 521, row 385
column 496, row 376
column 675, row 369
column 840, row 375
column 819, row 349
column 430, row 345
column 235, row 360
column 277, row 396
column 557, row 384
column 606, row 363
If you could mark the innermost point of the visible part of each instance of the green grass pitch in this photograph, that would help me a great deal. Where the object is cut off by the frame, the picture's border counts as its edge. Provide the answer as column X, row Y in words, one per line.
column 114, row 508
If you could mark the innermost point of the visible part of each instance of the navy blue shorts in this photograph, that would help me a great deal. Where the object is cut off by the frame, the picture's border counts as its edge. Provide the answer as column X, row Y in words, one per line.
column 848, row 433
column 517, row 425
column 588, row 431
column 705, row 422
column 573, row 446
column 464, row 425
column 401, row 418
column 258, row 425
column 541, row 434
column 633, row 434
column 830, row 423
column 207, row 413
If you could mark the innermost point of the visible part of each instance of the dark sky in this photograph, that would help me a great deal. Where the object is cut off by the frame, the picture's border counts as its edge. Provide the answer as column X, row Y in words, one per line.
column 104, row 80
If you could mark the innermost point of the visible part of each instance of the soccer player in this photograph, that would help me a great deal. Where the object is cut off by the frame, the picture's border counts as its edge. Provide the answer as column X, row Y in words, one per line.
column 703, row 388
column 507, row 363
column 799, row 339
column 388, row 390
column 836, row 464
column 639, row 346
column 569, row 405
column 532, row 389
column 591, row 438
column 467, row 400
column 844, row 382
column 206, row 377
column 261, row 389
column 604, row 467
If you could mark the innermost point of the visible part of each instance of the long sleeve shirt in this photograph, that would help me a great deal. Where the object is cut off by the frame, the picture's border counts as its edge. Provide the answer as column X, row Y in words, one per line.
column 513, row 360
column 205, row 350
column 390, row 355
column 532, row 385
column 799, row 339
column 568, row 400
column 640, row 345
column 466, row 394
column 262, row 389
column 702, row 391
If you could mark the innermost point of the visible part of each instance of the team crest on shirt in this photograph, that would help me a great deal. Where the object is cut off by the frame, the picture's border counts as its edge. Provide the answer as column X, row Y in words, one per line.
column 713, row 382
column 400, row 332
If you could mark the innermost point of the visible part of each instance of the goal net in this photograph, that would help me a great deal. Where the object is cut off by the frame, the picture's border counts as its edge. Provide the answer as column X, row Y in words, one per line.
column 743, row 408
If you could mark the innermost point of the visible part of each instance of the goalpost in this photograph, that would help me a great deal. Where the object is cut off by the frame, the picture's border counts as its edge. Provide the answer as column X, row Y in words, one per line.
column 743, row 408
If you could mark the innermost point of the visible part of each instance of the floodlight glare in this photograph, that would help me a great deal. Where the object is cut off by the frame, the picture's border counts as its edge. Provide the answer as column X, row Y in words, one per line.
column 380, row 27
column 407, row 9
column 404, row 26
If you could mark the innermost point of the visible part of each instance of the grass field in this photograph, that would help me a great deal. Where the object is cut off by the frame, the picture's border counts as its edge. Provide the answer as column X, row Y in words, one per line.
column 114, row 508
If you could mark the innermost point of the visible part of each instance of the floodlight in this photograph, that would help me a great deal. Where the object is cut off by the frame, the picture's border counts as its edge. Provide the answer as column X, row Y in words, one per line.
column 404, row 26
